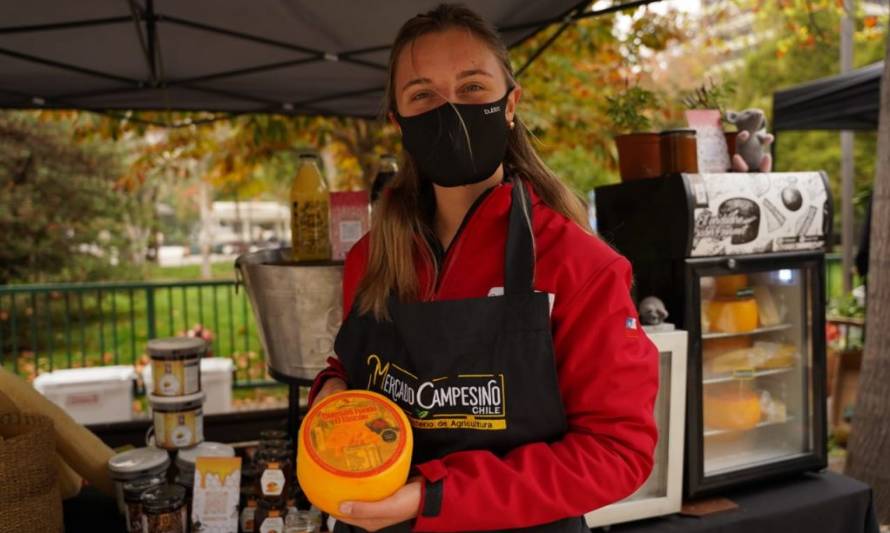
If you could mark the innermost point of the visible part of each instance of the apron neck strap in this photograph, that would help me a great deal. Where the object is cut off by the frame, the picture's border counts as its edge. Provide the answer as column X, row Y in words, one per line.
column 519, row 256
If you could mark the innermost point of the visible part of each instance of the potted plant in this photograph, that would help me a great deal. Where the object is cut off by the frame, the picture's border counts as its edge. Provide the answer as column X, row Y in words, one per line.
column 639, row 152
column 706, row 108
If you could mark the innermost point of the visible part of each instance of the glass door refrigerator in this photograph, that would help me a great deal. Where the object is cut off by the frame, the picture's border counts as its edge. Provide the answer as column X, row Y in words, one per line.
column 738, row 261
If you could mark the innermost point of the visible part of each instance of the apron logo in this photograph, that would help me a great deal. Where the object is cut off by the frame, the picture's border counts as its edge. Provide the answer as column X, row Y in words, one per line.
column 465, row 401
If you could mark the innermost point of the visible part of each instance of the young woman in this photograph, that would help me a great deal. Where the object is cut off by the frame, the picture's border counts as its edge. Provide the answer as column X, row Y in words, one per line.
column 481, row 293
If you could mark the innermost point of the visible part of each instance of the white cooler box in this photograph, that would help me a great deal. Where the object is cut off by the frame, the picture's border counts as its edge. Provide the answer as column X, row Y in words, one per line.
column 94, row 395
column 216, row 382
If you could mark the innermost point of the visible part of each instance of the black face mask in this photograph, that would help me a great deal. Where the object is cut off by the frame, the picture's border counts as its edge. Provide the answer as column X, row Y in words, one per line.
column 457, row 144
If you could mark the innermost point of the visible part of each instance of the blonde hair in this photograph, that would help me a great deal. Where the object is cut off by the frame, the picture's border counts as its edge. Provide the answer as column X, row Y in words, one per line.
column 402, row 217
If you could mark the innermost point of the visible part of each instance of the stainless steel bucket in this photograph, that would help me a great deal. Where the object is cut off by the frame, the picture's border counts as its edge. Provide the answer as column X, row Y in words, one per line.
column 298, row 309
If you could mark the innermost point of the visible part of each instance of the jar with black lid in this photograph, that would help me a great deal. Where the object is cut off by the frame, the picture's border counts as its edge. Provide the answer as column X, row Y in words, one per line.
column 269, row 516
column 132, row 491
column 275, row 474
column 164, row 509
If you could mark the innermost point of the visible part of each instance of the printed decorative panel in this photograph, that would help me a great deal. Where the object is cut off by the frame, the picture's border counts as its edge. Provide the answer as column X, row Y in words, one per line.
column 755, row 213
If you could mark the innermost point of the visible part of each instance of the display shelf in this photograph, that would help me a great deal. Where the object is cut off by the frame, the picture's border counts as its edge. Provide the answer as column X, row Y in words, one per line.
column 758, row 331
column 727, row 378
column 715, row 432
column 748, row 459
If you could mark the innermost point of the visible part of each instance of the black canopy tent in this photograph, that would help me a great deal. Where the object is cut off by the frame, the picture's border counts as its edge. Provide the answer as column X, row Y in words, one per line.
column 293, row 57
column 849, row 101
column 283, row 56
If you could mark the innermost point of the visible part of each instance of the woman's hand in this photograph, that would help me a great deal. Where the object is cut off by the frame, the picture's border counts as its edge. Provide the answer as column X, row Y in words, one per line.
column 331, row 385
column 373, row 516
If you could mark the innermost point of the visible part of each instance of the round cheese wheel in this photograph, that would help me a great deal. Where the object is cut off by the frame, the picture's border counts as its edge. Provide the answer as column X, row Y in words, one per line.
column 733, row 316
column 730, row 409
column 353, row 446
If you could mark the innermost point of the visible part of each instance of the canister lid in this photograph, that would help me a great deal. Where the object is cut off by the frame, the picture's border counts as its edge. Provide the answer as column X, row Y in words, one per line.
column 163, row 499
column 174, row 347
column 187, row 456
column 138, row 461
column 173, row 403
column 678, row 130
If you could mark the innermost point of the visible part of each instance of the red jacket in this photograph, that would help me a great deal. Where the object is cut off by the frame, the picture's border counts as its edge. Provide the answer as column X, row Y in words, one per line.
column 607, row 368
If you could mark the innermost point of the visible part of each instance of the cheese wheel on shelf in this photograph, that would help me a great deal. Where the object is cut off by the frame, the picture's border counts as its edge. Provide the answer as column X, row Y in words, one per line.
column 353, row 446
column 714, row 347
column 733, row 316
column 731, row 408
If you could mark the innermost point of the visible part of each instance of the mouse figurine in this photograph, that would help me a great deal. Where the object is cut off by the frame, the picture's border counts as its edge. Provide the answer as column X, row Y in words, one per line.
column 652, row 315
column 750, row 154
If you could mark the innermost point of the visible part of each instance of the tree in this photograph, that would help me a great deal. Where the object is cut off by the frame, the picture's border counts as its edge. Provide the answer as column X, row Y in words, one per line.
column 867, row 458
column 59, row 207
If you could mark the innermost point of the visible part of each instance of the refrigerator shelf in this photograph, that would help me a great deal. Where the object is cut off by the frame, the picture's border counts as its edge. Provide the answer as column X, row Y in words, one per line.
column 726, row 378
column 770, row 329
column 754, row 458
column 715, row 432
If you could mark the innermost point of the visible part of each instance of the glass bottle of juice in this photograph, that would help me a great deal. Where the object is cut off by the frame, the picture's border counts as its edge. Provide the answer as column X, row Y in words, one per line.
column 389, row 167
column 310, row 212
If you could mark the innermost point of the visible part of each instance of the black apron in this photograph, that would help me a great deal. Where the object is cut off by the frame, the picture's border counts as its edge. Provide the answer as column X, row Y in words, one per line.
column 477, row 373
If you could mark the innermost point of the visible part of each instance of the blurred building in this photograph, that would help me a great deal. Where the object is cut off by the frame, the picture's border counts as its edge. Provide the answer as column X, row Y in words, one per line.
column 249, row 222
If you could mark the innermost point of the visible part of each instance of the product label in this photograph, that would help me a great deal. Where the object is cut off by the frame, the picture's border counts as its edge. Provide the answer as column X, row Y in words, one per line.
column 356, row 434
column 273, row 524
column 247, row 516
column 215, row 497
column 350, row 231
column 176, row 378
column 179, row 430
column 272, row 480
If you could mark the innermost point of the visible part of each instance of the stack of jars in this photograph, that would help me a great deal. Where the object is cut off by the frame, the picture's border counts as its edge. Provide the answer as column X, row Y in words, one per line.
column 176, row 397
column 270, row 493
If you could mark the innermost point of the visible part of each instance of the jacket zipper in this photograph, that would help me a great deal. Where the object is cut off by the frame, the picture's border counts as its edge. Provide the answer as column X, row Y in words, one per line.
column 453, row 247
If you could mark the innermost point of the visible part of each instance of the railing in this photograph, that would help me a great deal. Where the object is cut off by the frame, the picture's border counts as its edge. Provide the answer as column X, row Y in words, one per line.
column 52, row 326
column 46, row 327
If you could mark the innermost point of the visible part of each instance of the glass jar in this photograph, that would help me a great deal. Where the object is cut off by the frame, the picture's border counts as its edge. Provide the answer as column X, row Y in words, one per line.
column 132, row 492
column 269, row 517
column 679, row 152
column 134, row 464
column 164, row 509
column 274, row 474
column 248, row 515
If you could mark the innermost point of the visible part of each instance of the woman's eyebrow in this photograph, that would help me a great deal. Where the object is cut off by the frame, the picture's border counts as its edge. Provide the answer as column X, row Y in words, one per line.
column 473, row 72
column 416, row 81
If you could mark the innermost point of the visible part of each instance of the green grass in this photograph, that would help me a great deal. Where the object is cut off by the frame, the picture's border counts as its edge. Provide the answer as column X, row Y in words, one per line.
column 51, row 332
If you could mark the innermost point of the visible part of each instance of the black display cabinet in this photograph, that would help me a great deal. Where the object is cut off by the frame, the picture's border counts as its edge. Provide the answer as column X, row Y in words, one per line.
column 738, row 260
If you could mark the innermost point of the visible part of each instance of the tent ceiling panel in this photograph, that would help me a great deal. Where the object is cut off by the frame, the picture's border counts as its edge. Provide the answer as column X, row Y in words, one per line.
column 849, row 101
column 219, row 55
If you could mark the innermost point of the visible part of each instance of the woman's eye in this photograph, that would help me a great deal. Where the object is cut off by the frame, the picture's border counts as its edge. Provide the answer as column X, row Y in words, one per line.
column 473, row 87
column 420, row 96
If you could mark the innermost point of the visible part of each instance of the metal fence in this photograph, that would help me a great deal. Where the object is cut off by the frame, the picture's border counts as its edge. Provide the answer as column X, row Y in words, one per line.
column 52, row 326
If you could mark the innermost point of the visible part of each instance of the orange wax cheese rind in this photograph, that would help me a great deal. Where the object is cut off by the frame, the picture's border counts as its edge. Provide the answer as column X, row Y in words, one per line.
column 733, row 316
column 353, row 446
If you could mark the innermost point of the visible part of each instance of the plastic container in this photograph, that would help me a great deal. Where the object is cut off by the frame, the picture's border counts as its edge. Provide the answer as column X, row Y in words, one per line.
column 91, row 395
column 179, row 421
column 164, row 510
column 135, row 464
column 175, row 365
column 216, row 382
column 133, row 491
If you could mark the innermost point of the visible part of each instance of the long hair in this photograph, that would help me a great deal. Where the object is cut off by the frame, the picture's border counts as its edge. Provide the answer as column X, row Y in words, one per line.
column 402, row 217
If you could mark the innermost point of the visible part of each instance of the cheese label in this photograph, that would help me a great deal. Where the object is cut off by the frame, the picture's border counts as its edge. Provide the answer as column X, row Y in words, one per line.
column 273, row 524
column 355, row 435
